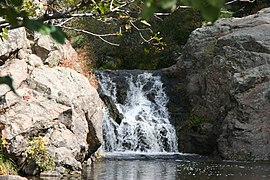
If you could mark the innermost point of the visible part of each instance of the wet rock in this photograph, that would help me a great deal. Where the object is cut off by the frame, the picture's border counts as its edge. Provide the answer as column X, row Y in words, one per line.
column 114, row 113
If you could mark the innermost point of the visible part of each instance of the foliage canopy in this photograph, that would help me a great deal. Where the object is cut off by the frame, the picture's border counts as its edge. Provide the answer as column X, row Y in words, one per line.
column 47, row 16
column 36, row 14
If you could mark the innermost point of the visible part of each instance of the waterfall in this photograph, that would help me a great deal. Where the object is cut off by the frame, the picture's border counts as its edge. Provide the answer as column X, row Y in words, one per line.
column 139, row 103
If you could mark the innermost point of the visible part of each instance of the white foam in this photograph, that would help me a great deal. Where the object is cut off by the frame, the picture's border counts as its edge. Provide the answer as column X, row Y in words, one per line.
column 145, row 127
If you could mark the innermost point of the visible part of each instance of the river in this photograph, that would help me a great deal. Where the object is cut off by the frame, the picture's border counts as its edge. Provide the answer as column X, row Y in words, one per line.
column 173, row 167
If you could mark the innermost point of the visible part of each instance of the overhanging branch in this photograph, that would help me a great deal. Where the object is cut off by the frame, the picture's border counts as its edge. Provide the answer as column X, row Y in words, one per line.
column 100, row 36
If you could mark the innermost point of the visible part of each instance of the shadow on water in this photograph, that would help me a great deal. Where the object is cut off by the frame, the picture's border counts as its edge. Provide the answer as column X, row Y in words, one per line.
column 173, row 167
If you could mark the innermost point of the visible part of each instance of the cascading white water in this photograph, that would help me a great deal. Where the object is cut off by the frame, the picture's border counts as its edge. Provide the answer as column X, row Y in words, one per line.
column 145, row 126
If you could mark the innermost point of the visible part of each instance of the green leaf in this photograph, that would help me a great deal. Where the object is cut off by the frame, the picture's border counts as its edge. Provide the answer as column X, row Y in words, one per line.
column 17, row 2
column 145, row 23
column 11, row 16
column 8, row 81
column 216, row 3
column 2, row 11
column 148, row 11
column 211, row 14
column 210, row 9
column 33, row 25
column 5, row 30
column 56, row 33
column 103, row 7
column 167, row 4
column 4, row 33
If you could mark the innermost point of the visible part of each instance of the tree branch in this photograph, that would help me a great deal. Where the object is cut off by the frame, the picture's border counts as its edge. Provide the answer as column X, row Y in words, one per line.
column 64, row 22
column 100, row 36
column 233, row 1
column 139, row 30
column 67, row 13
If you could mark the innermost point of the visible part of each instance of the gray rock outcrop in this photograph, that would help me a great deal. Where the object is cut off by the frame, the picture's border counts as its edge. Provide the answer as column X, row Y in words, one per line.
column 220, row 89
column 56, row 103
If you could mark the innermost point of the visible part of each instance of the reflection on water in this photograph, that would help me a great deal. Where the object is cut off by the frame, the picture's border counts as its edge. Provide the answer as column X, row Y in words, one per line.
column 135, row 169
column 130, row 168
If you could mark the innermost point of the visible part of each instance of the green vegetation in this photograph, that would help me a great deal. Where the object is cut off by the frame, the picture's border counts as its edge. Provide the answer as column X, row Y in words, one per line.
column 141, row 40
column 224, row 13
column 39, row 16
column 17, row 13
column 195, row 120
column 168, row 34
column 7, row 166
column 210, row 9
column 37, row 152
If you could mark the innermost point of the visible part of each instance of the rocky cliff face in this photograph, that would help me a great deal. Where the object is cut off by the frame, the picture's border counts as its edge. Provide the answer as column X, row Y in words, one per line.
column 56, row 103
column 219, row 89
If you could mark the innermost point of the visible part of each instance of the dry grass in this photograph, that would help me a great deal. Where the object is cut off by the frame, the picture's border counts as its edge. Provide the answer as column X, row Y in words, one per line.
column 81, row 63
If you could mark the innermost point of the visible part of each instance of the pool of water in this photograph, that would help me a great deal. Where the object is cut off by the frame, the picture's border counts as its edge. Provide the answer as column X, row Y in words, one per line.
column 126, row 166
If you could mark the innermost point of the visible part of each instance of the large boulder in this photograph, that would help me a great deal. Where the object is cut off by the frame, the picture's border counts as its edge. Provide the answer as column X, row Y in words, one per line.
column 220, row 89
column 16, row 40
column 58, row 104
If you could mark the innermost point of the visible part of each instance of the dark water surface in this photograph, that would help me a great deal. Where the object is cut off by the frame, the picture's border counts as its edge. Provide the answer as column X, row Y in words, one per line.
column 174, row 167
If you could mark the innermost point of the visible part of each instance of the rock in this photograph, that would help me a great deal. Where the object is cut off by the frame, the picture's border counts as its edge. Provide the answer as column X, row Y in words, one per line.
column 53, row 59
column 31, row 168
column 11, row 177
column 119, row 78
column 56, row 103
column 47, row 95
column 113, row 111
column 223, row 75
column 89, row 162
column 43, row 46
column 16, row 40
column 34, row 61
column 50, row 174
column 23, row 53
column 17, row 69
column 54, row 54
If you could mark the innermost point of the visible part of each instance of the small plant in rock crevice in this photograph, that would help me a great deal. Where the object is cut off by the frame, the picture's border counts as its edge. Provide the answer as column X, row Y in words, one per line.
column 37, row 152
column 195, row 120
column 7, row 165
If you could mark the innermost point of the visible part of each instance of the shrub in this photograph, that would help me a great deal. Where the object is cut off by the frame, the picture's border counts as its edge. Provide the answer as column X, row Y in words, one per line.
column 37, row 152
column 168, row 36
column 7, row 166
